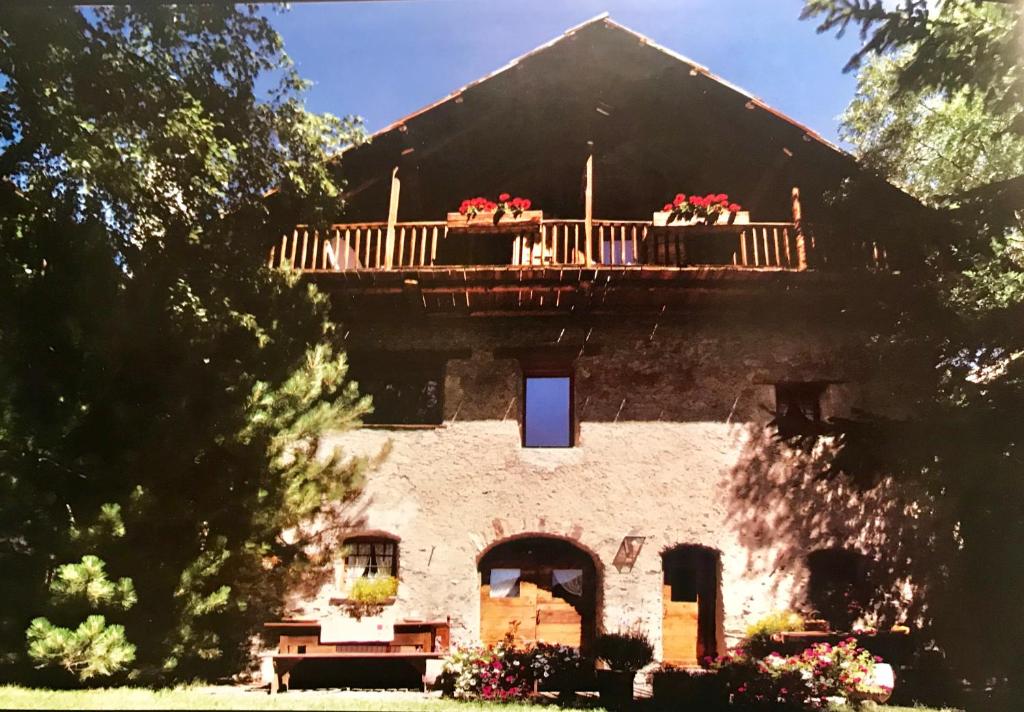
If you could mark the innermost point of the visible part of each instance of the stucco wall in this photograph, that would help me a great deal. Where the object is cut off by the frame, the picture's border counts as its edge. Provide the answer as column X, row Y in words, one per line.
column 671, row 446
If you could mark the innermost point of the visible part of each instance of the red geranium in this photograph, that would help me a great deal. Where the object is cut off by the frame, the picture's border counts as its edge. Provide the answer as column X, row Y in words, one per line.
column 706, row 209
column 506, row 204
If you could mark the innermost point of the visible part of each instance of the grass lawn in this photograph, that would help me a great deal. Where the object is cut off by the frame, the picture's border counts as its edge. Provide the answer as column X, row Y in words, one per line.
column 235, row 698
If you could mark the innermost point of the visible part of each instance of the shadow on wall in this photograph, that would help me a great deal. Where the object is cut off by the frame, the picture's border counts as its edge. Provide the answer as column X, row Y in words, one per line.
column 865, row 550
column 324, row 540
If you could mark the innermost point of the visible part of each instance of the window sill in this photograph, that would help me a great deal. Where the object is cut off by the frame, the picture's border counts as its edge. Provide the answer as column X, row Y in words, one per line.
column 345, row 601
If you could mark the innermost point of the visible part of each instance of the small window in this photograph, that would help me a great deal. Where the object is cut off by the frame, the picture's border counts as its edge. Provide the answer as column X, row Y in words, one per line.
column 367, row 557
column 799, row 400
column 839, row 588
column 407, row 389
column 505, row 583
column 567, row 584
column 547, row 415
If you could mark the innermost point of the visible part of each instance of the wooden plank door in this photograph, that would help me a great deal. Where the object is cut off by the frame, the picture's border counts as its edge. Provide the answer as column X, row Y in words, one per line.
column 498, row 616
column 557, row 620
column 679, row 628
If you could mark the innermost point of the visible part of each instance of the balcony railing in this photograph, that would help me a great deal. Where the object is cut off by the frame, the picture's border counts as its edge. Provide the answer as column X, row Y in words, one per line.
column 615, row 244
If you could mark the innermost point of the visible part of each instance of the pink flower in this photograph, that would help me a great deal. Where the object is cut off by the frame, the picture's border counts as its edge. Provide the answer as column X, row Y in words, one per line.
column 680, row 198
column 503, row 197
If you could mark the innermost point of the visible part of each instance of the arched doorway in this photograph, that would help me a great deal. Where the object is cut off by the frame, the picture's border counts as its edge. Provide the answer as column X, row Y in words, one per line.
column 542, row 589
column 689, row 597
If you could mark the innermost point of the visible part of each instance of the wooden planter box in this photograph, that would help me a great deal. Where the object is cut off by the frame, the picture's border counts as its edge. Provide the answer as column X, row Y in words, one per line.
column 741, row 218
column 484, row 222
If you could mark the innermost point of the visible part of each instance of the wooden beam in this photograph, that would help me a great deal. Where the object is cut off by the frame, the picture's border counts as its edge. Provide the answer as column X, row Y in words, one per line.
column 414, row 295
column 588, row 209
column 389, row 245
column 801, row 243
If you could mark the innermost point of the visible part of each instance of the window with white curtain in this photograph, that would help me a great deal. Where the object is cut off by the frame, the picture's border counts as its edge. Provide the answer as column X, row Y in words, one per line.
column 368, row 557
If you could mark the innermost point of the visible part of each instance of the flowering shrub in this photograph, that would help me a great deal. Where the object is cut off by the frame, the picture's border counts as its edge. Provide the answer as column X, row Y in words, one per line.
column 821, row 675
column 471, row 207
column 706, row 209
column 504, row 672
column 497, row 672
column 554, row 663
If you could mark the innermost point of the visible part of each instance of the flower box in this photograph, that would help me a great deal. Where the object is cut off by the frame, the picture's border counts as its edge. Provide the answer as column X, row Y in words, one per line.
column 726, row 218
column 485, row 222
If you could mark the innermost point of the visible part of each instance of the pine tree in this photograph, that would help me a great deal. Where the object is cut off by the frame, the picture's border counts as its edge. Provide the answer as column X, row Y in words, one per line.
column 163, row 394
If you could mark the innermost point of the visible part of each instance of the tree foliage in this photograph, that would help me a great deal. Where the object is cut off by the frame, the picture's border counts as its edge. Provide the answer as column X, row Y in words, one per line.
column 973, row 46
column 938, row 111
column 93, row 649
column 931, row 144
column 163, row 395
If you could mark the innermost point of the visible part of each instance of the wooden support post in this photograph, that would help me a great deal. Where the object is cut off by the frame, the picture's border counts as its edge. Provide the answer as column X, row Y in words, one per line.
column 389, row 245
column 588, row 209
column 801, row 244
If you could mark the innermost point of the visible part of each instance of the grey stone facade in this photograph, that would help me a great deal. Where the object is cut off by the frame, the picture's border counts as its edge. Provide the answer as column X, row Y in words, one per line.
column 672, row 445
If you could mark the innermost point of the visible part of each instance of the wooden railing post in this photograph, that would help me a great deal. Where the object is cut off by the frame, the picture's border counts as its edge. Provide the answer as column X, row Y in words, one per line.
column 588, row 208
column 389, row 243
column 801, row 242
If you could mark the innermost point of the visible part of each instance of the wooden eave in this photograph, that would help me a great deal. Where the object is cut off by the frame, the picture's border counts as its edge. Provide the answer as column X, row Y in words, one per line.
column 536, row 291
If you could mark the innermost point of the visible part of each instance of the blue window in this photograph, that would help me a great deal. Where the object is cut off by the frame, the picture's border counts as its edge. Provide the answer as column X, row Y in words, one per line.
column 547, row 416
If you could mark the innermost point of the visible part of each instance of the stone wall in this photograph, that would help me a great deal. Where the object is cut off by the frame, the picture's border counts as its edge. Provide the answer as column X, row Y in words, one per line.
column 671, row 446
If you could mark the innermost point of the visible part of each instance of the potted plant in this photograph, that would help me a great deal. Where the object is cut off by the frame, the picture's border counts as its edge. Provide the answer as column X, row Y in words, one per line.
column 624, row 654
column 483, row 215
column 710, row 209
column 368, row 596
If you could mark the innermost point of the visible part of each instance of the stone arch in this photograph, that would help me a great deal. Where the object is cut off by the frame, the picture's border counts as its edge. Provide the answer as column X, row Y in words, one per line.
column 692, row 610
column 544, row 587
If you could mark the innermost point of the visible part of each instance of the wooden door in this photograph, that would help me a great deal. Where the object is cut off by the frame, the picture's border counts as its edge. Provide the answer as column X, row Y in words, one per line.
column 688, row 600
column 551, row 598
column 558, row 621
column 679, row 628
column 499, row 616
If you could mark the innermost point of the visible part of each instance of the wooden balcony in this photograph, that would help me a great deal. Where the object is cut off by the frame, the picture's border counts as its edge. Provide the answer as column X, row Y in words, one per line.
column 617, row 245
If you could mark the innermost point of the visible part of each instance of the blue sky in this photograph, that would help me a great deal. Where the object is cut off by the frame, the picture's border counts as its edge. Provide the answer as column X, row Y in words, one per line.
column 383, row 60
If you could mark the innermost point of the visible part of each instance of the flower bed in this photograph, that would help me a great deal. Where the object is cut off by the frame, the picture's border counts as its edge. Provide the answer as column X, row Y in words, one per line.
column 504, row 672
column 820, row 676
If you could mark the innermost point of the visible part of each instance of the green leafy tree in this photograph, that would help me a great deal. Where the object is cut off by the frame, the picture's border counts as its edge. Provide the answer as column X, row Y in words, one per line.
column 931, row 144
column 939, row 111
column 164, row 396
column 954, row 46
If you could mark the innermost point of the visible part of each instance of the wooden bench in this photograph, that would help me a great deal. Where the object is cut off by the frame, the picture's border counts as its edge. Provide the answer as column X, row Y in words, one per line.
column 414, row 642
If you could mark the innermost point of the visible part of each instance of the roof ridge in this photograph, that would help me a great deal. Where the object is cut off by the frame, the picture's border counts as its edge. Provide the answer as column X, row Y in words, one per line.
column 604, row 17
column 760, row 103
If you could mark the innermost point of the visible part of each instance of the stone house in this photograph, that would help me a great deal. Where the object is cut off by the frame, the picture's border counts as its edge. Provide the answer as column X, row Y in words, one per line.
column 580, row 407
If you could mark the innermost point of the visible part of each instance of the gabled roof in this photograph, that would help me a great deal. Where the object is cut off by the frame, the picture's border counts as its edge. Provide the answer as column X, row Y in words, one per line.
column 605, row 20
column 653, row 121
